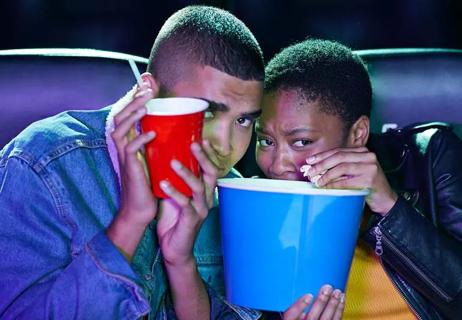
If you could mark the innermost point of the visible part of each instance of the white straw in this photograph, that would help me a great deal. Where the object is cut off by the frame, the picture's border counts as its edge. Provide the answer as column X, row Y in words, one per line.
column 136, row 72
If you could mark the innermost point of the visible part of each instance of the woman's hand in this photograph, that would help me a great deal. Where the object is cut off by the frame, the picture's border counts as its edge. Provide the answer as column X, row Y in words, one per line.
column 354, row 168
column 329, row 305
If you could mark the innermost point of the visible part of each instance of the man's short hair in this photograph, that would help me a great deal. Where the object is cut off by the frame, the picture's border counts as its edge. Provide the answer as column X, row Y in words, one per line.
column 324, row 71
column 205, row 36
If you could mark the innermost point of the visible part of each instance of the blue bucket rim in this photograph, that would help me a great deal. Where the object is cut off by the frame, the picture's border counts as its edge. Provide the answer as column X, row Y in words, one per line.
column 285, row 186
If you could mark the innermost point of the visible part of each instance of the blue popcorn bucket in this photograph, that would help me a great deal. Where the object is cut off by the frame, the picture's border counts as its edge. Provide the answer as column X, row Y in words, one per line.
column 282, row 239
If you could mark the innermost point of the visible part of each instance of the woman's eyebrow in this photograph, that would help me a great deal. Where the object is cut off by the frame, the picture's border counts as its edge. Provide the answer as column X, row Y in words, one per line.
column 294, row 131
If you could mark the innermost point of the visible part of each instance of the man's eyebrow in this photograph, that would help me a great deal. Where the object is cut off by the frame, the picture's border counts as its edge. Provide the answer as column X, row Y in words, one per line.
column 216, row 106
column 253, row 115
column 219, row 106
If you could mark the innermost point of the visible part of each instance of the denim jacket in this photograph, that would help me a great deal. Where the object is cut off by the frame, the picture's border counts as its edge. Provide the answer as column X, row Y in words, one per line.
column 58, row 194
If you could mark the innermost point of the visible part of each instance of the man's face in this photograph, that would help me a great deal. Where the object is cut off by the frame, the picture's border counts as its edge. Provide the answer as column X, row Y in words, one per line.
column 291, row 129
column 234, row 106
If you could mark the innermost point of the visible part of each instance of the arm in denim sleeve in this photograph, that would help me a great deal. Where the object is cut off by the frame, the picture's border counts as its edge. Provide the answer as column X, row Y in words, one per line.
column 219, row 309
column 41, row 276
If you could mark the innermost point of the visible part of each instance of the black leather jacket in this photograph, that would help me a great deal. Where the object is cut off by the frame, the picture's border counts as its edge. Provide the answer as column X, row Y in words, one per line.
column 421, row 237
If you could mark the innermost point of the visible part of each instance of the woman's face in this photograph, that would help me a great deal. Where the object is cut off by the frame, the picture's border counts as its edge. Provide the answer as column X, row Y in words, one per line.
column 290, row 130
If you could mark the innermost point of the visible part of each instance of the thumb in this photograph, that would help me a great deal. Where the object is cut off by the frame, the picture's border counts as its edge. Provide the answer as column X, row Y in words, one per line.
column 140, row 155
column 168, row 216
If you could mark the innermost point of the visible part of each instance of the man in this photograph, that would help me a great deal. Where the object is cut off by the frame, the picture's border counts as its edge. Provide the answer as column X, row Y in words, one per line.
column 315, row 115
column 83, row 236
column 78, row 239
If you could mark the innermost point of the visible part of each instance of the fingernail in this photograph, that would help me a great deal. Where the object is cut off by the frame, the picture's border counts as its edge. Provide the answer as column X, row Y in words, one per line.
column 327, row 290
column 342, row 298
column 175, row 164
column 206, row 144
column 195, row 146
column 151, row 134
column 141, row 110
column 308, row 299
column 336, row 294
column 310, row 159
column 165, row 185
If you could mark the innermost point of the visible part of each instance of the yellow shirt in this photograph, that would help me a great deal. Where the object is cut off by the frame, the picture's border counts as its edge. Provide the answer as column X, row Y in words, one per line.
column 370, row 294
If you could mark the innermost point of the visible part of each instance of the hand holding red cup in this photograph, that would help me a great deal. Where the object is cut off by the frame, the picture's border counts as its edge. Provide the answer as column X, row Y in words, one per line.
column 178, row 123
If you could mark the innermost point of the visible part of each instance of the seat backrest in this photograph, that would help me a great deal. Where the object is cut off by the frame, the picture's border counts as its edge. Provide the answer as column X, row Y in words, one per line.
column 414, row 85
column 409, row 86
column 36, row 83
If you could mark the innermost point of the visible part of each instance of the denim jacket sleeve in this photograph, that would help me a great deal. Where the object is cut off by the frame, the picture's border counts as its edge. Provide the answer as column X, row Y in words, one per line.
column 42, row 276
column 219, row 309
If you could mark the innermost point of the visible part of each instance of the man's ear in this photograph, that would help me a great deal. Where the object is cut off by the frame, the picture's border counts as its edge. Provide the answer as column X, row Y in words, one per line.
column 152, row 83
column 359, row 132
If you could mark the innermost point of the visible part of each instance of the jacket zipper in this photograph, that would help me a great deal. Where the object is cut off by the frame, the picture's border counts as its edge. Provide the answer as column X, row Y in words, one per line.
column 380, row 238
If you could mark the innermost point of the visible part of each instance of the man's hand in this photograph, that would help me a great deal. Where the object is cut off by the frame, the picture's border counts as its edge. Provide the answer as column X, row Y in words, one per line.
column 138, row 206
column 329, row 305
column 354, row 168
column 180, row 219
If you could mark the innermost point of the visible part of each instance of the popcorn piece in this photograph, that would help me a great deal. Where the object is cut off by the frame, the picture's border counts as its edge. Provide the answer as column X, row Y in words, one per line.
column 314, row 179
column 305, row 169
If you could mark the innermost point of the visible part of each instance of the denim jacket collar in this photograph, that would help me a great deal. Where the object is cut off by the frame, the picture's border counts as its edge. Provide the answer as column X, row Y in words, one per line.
column 110, row 126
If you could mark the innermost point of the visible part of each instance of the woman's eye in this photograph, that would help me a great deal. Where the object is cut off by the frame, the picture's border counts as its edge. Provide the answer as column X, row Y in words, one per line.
column 302, row 142
column 208, row 115
column 245, row 122
column 262, row 142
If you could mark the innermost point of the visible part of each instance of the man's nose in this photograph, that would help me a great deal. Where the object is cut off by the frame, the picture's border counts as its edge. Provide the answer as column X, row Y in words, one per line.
column 222, row 141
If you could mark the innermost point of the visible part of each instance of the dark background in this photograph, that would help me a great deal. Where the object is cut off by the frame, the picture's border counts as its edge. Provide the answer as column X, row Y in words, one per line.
column 130, row 26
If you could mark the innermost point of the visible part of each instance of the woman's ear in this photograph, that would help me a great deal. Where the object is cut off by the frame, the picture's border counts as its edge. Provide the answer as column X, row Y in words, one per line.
column 359, row 132
column 152, row 83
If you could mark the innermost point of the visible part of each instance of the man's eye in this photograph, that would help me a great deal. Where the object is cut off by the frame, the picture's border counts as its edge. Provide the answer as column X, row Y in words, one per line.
column 208, row 115
column 302, row 142
column 262, row 142
column 245, row 122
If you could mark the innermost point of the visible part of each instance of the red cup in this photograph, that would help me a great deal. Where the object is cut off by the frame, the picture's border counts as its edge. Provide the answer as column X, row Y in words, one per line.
column 177, row 123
